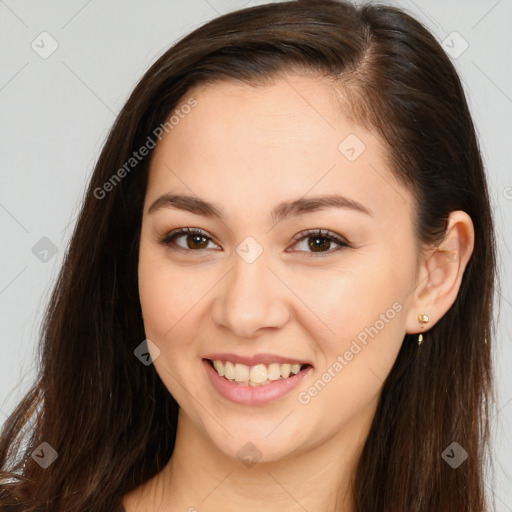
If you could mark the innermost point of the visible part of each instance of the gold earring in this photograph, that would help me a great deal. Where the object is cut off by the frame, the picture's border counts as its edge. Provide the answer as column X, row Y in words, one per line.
column 424, row 319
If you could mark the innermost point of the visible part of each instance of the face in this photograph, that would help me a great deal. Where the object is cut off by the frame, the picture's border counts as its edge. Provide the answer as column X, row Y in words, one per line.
column 304, row 260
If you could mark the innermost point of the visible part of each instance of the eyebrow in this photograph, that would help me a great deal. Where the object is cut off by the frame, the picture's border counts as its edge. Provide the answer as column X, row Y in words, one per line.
column 281, row 211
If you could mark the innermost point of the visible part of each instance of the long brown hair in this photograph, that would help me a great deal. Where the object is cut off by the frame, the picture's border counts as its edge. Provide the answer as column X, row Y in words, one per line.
column 110, row 418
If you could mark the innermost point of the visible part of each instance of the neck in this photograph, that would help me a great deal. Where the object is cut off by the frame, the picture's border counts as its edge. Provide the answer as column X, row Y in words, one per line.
column 199, row 477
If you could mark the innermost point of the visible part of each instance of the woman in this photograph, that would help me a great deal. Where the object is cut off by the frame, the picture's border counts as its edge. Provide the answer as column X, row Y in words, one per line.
column 280, row 281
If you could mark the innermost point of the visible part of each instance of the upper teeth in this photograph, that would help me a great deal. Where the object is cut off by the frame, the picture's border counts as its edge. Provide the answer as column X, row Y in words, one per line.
column 255, row 375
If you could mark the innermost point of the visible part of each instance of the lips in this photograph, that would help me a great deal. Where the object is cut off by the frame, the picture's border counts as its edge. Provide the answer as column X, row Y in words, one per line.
column 257, row 379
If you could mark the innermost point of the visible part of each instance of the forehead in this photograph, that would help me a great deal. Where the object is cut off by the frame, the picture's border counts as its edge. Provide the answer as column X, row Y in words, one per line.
column 291, row 106
column 248, row 145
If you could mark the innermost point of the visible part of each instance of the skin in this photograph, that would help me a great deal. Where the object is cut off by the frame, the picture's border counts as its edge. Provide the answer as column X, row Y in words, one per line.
column 247, row 149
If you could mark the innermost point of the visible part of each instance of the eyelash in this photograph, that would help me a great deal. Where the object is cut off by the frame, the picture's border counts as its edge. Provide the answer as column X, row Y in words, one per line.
column 168, row 239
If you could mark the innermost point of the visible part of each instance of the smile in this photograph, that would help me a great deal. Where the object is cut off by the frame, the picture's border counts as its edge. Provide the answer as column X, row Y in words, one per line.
column 256, row 384
column 258, row 375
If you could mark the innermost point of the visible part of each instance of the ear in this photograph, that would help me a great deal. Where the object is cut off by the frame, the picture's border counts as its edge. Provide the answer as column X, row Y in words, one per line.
column 440, row 273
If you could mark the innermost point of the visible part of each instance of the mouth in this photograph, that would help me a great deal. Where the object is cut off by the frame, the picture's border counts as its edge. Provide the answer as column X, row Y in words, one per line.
column 258, row 375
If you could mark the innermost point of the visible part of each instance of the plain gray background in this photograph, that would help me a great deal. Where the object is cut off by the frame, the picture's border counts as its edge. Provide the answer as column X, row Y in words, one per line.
column 57, row 110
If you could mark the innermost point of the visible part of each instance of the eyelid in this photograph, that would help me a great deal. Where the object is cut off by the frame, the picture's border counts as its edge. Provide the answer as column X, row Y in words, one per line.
column 341, row 241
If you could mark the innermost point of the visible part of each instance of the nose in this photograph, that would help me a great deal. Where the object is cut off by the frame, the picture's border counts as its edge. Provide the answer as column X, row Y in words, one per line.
column 250, row 299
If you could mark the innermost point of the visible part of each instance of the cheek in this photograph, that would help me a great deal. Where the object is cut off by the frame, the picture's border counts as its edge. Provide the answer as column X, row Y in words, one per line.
column 364, row 313
column 369, row 327
column 167, row 294
column 349, row 301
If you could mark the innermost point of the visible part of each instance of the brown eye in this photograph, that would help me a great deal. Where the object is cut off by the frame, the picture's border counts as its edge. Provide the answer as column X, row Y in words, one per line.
column 320, row 241
column 194, row 239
